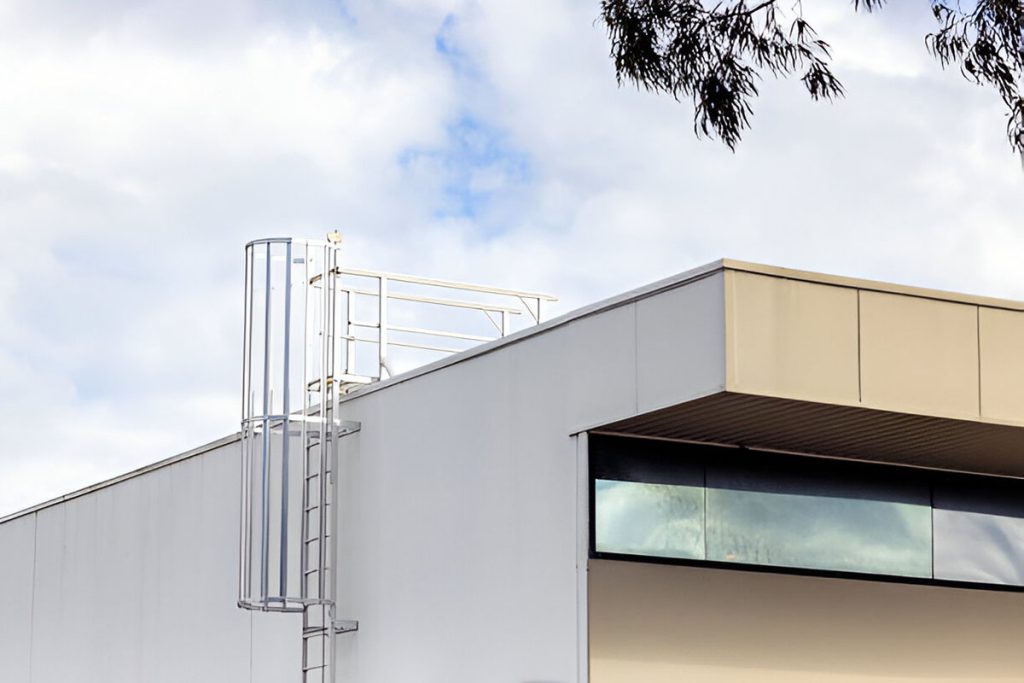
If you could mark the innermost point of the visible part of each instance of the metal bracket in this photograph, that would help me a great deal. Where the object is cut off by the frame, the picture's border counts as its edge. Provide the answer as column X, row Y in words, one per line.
column 349, row 427
column 345, row 625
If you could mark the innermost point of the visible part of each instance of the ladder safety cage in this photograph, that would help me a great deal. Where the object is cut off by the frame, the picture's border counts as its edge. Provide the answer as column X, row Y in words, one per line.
column 304, row 324
column 290, row 424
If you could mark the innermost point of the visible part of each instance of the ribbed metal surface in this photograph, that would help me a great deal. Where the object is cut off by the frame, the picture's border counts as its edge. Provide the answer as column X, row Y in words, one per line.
column 838, row 431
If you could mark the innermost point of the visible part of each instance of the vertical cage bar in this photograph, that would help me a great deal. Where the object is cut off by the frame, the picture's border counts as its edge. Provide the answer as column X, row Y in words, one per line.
column 324, row 388
column 244, row 586
column 265, row 465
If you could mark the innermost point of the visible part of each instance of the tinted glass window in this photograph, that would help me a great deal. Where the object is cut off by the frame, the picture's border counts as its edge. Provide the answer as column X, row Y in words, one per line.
column 731, row 505
column 830, row 521
column 979, row 534
column 661, row 520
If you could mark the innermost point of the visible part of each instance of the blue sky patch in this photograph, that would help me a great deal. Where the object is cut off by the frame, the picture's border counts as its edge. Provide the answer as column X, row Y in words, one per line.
column 476, row 163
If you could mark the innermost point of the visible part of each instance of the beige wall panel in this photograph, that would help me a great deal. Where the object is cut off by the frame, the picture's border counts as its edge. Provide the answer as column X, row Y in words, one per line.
column 665, row 624
column 1001, row 334
column 791, row 339
column 919, row 355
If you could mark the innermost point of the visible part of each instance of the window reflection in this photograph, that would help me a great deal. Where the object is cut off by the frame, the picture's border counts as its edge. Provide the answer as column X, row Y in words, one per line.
column 805, row 522
column 662, row 520
column 979, row 535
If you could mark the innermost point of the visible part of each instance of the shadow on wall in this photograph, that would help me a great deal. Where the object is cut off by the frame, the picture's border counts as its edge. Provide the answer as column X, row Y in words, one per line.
column 659, row 623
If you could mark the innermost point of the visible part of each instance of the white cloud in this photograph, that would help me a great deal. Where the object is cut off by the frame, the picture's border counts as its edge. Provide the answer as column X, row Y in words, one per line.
column 141, row 144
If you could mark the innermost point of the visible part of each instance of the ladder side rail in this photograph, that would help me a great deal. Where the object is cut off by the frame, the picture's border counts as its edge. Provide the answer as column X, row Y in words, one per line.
column 303, row 426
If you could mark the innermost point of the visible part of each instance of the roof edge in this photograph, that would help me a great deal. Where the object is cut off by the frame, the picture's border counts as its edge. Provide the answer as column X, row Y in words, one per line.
column 631, row 296
column 160, row 464
column 624, row 299
column 679, row 280
column 591, row 309
column 871, row 285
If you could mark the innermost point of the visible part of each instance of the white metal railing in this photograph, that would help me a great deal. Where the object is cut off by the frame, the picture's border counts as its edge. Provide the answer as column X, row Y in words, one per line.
column 496, row 307
column 304, row 325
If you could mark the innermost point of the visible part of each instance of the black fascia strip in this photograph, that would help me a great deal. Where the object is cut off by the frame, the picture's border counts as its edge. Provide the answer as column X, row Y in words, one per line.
column 802, row 571
column 592, row 531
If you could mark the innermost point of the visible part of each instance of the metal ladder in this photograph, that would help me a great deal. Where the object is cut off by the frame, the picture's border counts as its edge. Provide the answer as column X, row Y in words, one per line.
column 317, row 644
column 319, row 625
column 300, row 338
column 317, row 617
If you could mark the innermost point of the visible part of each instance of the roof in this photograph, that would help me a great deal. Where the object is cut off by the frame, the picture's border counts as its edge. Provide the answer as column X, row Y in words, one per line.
column 683, row 278
column 623, row 299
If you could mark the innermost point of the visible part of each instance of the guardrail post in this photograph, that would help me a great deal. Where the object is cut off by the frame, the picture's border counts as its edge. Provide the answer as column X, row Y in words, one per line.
column 382, row 338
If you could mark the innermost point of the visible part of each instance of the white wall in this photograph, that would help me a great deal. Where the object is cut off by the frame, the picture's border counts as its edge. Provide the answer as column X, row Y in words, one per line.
column 17, row 549
column 458, row 543
column 137, row 582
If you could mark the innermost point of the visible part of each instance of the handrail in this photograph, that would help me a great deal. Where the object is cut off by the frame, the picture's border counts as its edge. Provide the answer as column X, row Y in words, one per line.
column 513, row 303
column 451, row 284
column 439, row 333
column 457, row 303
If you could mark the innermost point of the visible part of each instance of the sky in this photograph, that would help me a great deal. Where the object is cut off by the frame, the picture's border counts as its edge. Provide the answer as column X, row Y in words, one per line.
column 142, row 143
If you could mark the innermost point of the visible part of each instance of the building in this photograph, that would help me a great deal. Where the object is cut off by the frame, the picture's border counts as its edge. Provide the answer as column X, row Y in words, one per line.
column 742, row 473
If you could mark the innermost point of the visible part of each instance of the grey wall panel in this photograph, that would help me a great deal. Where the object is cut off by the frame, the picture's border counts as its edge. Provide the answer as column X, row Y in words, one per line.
column 458, row 497
column 587, row 369
column 681, row 344
column 81, row 630
column 193, row 519
column 458, row 529
column 138, row 582
column 17, row 552
column 458, row 526
column 276, row 648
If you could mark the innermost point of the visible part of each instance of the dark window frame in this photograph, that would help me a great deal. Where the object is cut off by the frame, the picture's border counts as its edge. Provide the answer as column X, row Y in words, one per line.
column 650, row 455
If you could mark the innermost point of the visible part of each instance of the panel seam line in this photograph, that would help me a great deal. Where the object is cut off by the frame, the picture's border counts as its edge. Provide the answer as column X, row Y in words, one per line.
column 977, row 329
column 860, row 355
column 32, row 600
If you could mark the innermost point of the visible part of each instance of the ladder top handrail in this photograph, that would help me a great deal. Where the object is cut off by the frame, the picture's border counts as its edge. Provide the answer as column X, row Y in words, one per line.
column 451, row 284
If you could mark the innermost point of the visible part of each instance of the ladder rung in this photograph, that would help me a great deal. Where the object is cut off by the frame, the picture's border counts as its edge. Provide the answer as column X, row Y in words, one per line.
column 312, row 540
column 308, row 572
